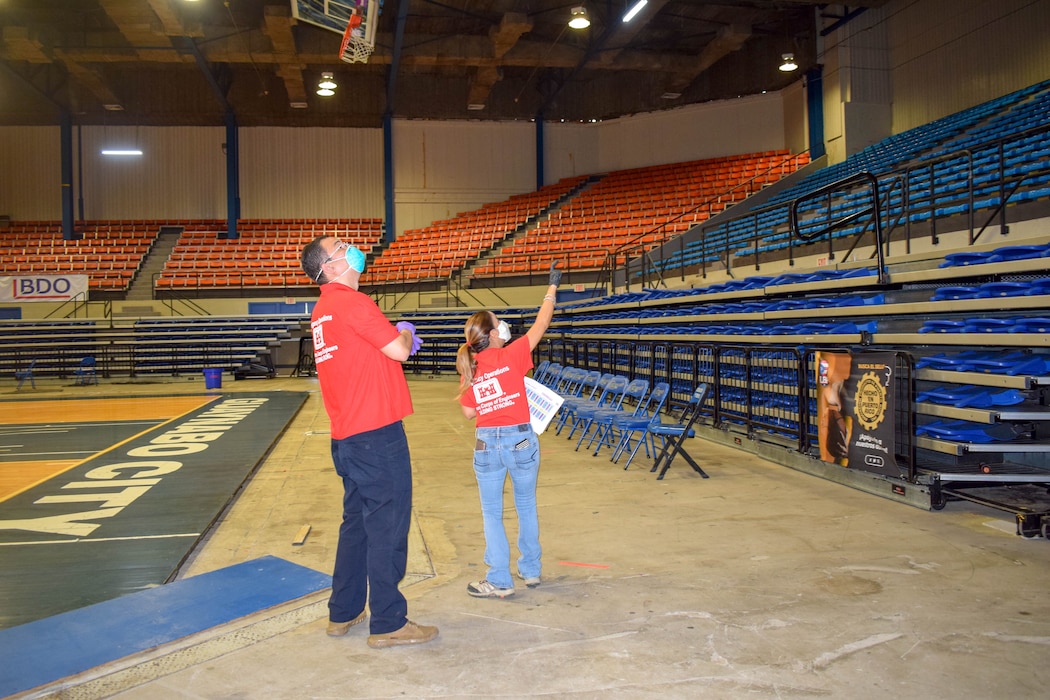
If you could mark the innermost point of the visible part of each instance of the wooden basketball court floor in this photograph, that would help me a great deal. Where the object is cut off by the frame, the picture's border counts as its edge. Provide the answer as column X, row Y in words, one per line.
column 105, row 495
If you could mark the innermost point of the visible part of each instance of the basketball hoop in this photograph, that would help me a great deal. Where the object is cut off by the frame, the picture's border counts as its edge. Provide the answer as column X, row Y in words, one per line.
column 355, row 48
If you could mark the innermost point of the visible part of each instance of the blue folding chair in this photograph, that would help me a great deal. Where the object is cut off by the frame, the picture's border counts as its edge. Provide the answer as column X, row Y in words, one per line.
column 24, row 374
column 85, row 374
column 673, row 435
column 627, row 426
column 611, row 397
column 587, row 390
column 554, row 374
column 634, row 399
column 570, row 382
column 539, row 374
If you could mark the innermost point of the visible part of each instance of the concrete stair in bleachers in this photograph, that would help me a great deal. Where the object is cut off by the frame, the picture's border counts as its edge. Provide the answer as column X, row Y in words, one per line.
column 142, row 286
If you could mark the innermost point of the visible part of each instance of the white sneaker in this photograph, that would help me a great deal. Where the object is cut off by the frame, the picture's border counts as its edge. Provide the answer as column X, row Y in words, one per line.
column 484, row 589
column 530, row 581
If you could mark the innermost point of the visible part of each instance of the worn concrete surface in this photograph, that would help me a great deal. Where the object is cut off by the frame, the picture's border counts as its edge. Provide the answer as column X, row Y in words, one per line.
column 758, row 582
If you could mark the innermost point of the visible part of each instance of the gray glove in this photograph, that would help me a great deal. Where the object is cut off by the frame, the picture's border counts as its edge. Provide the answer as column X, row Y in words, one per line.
column 555, row 276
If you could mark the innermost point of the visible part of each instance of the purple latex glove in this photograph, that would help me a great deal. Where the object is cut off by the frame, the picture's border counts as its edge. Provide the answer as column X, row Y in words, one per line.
column 416, row 341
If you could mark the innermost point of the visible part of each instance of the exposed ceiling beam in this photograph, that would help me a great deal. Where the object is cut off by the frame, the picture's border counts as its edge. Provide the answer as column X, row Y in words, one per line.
column 21, row 45
column 91, row 79
column 142, row 29
column 170, row 23
column 730, row 38
column 48, row 74
column 445, row 54
column 289, row 68
column 451, row 51
column 504, row 37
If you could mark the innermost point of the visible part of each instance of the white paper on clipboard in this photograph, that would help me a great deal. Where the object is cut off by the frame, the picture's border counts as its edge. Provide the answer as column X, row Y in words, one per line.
column 543, row 404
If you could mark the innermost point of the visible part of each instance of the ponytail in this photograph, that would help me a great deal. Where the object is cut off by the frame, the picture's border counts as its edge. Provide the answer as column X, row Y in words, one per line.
column 476, row 331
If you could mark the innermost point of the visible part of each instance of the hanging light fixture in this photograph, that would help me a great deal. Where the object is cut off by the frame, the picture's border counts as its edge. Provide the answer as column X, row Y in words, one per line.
column 788, row 64
column 326, row 88
column 579, row 18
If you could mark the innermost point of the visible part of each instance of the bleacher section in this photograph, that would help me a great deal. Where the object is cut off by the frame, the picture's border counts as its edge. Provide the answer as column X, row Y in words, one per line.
column 110, row 252
column 979, row 161
column 970, row 344
column 639, row 207
column 169, row 346
column 434, row 252
column 264, row 256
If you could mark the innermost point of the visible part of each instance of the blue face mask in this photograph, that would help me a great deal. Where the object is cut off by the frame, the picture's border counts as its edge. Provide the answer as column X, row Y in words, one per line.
column 355, row 258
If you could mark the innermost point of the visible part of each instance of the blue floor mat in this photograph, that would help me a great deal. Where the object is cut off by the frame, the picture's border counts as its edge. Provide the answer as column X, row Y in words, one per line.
column 47, row 650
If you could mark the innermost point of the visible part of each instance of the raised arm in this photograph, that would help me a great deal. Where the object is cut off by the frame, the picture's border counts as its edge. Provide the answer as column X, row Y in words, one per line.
column 546, row 312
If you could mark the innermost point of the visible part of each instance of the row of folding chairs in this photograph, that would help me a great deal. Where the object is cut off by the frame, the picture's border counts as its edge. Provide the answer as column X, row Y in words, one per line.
column 607, row 410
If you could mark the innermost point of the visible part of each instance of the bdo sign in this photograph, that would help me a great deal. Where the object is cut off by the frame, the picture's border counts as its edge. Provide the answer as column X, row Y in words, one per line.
column 43, row 288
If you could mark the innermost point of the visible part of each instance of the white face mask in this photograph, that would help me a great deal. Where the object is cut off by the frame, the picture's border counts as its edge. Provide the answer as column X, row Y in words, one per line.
column 503, row 331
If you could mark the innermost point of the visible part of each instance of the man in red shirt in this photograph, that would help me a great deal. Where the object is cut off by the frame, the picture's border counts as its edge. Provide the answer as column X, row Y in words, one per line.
column 358, row 353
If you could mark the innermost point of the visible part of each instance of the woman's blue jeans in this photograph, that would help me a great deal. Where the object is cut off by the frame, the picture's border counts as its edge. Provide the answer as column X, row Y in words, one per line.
column 515, row 450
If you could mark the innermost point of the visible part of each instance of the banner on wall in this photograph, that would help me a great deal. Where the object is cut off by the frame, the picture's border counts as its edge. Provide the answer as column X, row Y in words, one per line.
column 855, row 409
column 43, row 288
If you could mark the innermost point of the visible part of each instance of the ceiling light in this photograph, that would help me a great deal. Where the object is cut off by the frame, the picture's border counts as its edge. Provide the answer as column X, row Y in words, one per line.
column 121, row 152
column 670, row 96
column 113, row 107
column 579, row 18
column 788, row 64
column 327, row 81
column 325, row 92
column 475, row 106
column 298, row 105
column 634, row 10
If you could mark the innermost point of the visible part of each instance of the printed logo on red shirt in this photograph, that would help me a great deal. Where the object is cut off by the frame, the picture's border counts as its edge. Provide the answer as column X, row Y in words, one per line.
column 487, row 390
column 322, row 351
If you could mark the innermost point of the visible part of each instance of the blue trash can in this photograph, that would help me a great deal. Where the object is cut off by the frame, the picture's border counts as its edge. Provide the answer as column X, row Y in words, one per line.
column 213, row 378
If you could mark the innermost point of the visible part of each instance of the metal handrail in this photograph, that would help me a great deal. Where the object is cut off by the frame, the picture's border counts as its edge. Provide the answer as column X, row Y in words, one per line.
column 872, row 211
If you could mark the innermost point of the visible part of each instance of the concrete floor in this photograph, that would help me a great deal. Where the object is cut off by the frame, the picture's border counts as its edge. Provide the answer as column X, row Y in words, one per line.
column 760, row 582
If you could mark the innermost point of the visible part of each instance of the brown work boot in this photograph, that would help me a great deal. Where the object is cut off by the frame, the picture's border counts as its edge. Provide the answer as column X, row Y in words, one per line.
column 338, row 629
column 411, row 633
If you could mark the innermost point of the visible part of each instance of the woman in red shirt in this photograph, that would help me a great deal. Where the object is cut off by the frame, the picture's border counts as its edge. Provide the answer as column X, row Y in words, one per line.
column 492, row 391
